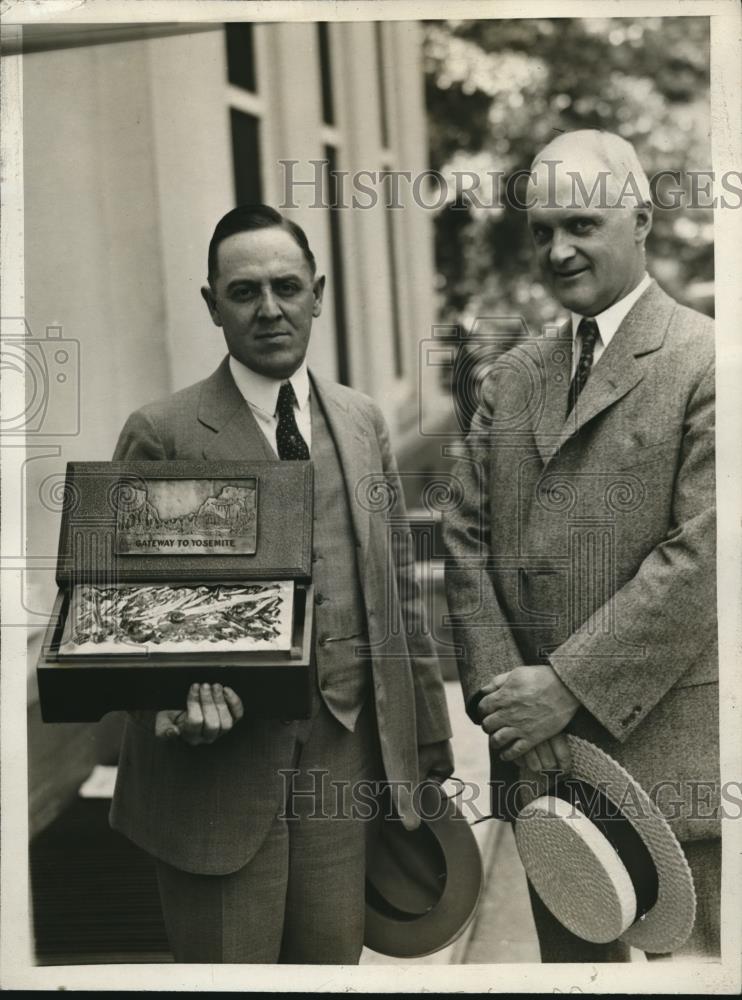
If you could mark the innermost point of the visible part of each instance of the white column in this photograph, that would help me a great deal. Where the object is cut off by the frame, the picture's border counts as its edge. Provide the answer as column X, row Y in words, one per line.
column 16, row 939
column 414, row 224
column 369, row 292
column 93, row 268
column 192, row 176
column 290, row 80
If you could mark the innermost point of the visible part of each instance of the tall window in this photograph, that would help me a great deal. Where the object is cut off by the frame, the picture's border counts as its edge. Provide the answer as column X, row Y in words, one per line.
column 387, row 158
column 332, row 142
column 241, row 55
column 381, row 76
column 325, row 67
column 391, row 247
column 338, row 273
column 245, row 112
column 248, row 186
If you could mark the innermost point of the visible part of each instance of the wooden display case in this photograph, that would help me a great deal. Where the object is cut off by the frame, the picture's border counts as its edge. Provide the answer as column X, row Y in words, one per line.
column 171, row 573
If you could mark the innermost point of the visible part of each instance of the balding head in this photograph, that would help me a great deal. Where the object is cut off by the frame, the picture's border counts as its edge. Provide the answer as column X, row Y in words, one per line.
column 589, row 211
column 587, row 155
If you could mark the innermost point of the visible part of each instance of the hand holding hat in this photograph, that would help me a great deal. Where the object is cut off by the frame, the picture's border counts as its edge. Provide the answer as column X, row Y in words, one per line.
column 422, row 885
column 549, row 756
column 435, row 761
column 602, row 857
column 524, row 708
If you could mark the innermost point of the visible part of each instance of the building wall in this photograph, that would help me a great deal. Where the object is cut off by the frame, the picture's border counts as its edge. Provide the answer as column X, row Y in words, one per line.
column 128, row 163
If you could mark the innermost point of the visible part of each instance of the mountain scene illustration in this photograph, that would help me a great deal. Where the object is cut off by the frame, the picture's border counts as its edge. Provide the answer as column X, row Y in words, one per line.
column 229, row 512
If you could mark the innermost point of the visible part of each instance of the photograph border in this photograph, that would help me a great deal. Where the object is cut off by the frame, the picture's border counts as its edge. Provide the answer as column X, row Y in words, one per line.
column 16, row 946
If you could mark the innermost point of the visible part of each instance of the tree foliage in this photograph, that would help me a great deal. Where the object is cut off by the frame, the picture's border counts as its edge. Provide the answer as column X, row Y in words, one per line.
column 499, row 90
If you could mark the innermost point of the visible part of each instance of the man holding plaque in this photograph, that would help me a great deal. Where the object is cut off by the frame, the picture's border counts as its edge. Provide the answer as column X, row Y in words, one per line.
column 260, row 853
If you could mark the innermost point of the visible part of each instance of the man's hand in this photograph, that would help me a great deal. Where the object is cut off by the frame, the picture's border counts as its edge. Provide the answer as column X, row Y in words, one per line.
column 524, row 708
column 211, row 711
column 435, row 761
column 551, row 755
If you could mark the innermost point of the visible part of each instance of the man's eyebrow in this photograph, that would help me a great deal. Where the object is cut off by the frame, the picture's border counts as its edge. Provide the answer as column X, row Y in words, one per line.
column 251, row 283
column 566, row 215
column 585, row 215
column 239, row 282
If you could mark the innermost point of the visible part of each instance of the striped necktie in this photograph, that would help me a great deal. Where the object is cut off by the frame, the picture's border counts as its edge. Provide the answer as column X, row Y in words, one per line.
column 588, row 334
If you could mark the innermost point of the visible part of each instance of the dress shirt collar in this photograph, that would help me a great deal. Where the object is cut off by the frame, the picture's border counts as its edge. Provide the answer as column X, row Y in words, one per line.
column 610, row 319
column 262, row 392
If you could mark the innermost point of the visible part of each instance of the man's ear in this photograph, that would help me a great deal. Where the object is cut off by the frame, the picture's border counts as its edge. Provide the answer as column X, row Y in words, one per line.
column 643, row 221
column 318, row 290
column 210, row 300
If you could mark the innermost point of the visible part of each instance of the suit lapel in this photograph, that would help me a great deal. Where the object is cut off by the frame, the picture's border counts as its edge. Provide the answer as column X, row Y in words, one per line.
column 237, row 436
column 351, row 440
column 223, row 409
column 556, row 361
column 641, row 332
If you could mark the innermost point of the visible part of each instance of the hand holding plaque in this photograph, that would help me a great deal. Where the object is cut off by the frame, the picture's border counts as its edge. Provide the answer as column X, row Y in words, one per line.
column 211, row 712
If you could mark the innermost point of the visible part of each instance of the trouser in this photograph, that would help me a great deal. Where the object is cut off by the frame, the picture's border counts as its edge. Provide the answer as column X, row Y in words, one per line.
column 301, row 898
column 557, row 944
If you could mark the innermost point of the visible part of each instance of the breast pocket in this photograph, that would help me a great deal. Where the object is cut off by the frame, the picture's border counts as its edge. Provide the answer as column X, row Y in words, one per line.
column 640, row 456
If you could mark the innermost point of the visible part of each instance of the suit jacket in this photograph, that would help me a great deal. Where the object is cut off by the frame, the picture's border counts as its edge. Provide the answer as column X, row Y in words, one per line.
column 588, row 542
column 207, row 809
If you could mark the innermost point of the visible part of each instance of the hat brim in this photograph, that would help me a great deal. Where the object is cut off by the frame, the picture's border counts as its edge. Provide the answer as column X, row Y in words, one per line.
column 668, row 923
column 390, row 930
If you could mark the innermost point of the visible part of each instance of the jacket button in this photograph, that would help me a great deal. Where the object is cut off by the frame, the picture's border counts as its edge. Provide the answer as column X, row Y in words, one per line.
column 319, row 599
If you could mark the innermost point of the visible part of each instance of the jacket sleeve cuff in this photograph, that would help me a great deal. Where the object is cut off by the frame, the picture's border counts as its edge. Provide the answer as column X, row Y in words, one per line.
column 472, row 706
column 434, row 730
column 593, row 699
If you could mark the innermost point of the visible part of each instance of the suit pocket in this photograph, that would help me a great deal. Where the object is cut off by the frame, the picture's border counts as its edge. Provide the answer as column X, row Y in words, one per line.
column 704, row 671
column 664, row 451
column 710, row 675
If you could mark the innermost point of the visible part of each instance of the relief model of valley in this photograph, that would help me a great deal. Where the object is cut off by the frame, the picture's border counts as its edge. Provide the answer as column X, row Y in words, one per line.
column 157, row 614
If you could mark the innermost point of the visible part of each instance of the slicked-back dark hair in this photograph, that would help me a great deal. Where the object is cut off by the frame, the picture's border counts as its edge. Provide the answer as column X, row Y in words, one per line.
column 246, row 218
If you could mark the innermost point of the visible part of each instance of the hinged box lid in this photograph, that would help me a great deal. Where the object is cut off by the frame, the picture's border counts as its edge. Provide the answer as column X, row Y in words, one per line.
column 148, row 521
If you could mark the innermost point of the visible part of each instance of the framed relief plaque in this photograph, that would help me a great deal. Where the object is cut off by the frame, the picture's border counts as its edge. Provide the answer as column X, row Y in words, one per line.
column 197, row 516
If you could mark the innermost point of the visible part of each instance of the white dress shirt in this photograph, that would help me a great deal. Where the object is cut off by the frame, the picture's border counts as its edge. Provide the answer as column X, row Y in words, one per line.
column 608, row 322
column 261, row 395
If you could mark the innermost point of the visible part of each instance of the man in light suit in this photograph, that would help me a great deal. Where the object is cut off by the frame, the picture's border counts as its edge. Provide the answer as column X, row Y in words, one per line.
column 581, row 568
column 260, row 855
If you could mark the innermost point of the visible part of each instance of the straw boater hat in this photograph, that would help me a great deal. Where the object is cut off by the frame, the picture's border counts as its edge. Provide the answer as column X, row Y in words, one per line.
column 423, row 885
column 603, row 858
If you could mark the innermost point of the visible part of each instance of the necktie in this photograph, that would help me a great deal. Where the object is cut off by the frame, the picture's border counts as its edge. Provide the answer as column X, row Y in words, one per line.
column 588, row 333
column 291, row 445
